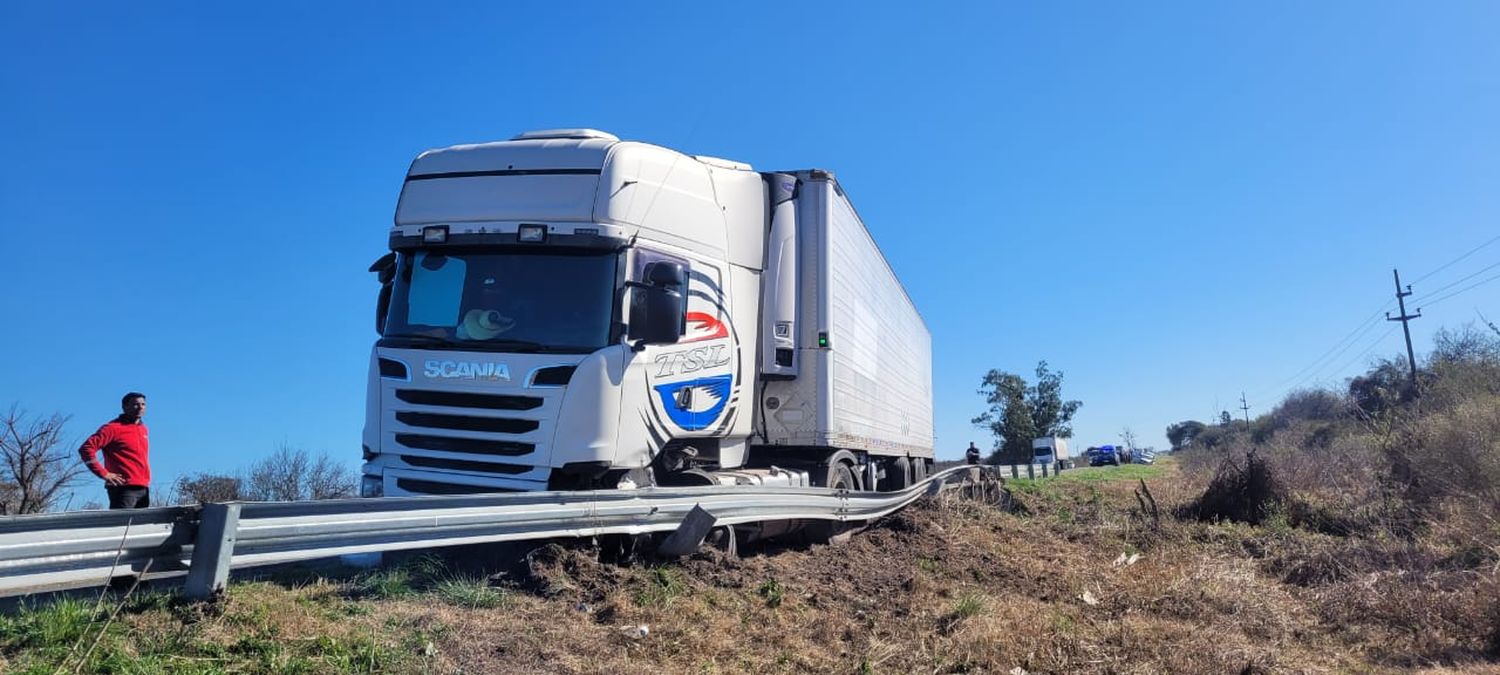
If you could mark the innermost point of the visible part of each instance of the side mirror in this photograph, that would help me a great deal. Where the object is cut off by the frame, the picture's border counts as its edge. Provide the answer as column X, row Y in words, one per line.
column 658, row 307
column 385, row 268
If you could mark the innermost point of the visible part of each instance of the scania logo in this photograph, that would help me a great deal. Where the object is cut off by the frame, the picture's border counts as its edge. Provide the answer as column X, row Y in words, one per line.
column 465, row 370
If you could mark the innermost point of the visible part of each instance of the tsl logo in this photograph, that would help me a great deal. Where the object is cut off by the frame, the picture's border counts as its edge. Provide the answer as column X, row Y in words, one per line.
column 435, row 369
column 691, row 360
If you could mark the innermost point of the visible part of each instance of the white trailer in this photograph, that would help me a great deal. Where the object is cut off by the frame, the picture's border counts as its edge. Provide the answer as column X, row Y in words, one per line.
column 566, row 310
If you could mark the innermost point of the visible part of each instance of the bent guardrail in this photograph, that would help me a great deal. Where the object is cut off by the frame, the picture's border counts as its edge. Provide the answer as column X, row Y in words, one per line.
column 70, row 550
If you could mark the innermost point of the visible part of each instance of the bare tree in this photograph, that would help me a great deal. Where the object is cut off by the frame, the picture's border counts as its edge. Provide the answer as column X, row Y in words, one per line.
column 294, row 473
column 34, row 469
column 205, row 488
column 329, row 479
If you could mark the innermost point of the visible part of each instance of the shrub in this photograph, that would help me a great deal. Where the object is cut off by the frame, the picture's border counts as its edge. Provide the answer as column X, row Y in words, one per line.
column 1247, row 493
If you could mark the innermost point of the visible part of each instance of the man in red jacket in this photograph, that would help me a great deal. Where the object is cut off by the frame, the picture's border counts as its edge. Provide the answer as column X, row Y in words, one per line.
column 126, row 470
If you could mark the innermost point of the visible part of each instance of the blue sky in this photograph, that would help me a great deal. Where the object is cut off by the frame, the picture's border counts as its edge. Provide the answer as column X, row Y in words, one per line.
column 1171, row 204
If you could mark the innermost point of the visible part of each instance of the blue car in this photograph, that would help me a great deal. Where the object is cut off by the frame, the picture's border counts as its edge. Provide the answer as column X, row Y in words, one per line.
column 1102, row 455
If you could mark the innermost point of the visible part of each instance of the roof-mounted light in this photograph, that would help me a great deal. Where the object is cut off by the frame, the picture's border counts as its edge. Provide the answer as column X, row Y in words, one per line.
column 532, row 234
column 435, row 234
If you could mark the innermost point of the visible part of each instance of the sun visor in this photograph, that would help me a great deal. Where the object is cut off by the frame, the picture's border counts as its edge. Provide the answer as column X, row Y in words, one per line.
column 544, row 197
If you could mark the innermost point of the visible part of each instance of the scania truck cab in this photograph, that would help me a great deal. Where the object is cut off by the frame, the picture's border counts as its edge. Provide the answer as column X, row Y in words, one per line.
column 565, row 310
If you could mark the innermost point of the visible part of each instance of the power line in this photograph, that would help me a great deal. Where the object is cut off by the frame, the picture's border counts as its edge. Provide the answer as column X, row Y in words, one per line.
column 1362, row 333
column 1360, row 329
column 1476, row 273
column 1461, row 291
column 1366, row 350
column 1450, row 263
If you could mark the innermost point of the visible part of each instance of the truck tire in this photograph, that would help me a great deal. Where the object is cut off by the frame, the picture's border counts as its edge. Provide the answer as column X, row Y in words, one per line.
column 898, row 475
column 840, row 476
column 838, row 471
column 918, row 470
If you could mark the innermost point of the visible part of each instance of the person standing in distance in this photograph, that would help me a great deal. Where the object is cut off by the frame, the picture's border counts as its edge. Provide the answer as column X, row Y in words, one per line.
column 126, row 470
column 972, row 454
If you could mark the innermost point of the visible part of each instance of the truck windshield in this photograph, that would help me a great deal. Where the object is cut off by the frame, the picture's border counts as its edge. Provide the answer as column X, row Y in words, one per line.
column 503, row 301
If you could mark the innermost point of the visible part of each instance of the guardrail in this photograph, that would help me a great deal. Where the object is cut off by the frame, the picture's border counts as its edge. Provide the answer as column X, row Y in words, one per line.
column 71, row 550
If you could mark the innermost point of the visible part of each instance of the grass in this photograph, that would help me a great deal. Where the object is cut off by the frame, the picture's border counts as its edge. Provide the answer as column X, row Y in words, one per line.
column 474, row 592
column 258, row 627
column 665, row 584
column 968, row 605
column 1094, row 474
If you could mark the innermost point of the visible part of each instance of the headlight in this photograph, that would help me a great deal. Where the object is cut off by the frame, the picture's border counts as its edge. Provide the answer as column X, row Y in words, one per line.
column 372, row 486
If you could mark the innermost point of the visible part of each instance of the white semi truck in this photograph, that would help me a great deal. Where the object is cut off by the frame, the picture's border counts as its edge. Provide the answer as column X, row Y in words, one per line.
column 566, row 310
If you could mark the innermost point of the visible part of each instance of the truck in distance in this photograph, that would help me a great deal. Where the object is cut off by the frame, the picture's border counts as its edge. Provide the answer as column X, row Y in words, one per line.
column 1050, row 450
column 566, row 310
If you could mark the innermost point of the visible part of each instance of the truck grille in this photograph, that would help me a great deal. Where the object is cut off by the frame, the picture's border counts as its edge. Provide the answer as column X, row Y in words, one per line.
column 427, row 487
column 465, row 400
column 465, row 445
column 464, row 423
column 464, row 465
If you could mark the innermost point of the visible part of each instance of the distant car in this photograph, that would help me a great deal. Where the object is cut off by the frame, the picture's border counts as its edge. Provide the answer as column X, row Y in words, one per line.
column 1145, row 456
column 1103, row 455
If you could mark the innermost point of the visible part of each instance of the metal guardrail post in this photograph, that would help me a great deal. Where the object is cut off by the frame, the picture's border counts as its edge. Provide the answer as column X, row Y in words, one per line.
column 1044, row 471
column 688, row 536
column 1015, row 471
column 1030, row 471
column 212, row 551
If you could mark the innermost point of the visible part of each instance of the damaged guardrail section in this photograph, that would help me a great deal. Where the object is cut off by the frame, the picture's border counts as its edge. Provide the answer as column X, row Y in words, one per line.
column 71, row 550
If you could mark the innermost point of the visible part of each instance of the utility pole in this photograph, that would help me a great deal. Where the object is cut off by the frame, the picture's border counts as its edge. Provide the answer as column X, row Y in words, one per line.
column 1405, row 318
column 1245, row 407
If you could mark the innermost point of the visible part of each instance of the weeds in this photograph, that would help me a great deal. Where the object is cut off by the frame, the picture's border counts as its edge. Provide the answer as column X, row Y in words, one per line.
column 663, row 585
column 968, row 605
column 471, row 592
column 773, row 592
column 385, row 584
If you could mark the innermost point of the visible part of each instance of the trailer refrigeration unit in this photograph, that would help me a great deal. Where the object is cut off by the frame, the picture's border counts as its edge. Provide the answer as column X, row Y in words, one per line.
column 565, row 310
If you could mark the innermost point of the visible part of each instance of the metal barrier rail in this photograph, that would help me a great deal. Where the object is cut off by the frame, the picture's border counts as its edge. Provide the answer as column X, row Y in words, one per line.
column 1028, row 470
column 70, row 550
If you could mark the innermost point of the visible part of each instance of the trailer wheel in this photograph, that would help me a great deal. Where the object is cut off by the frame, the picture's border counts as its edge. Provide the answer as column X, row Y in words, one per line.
column 898, row 475
column 840, row 477
column 918, row 469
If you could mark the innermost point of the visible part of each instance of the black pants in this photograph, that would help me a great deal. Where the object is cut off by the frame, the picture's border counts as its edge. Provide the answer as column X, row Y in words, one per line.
column 128, row 496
